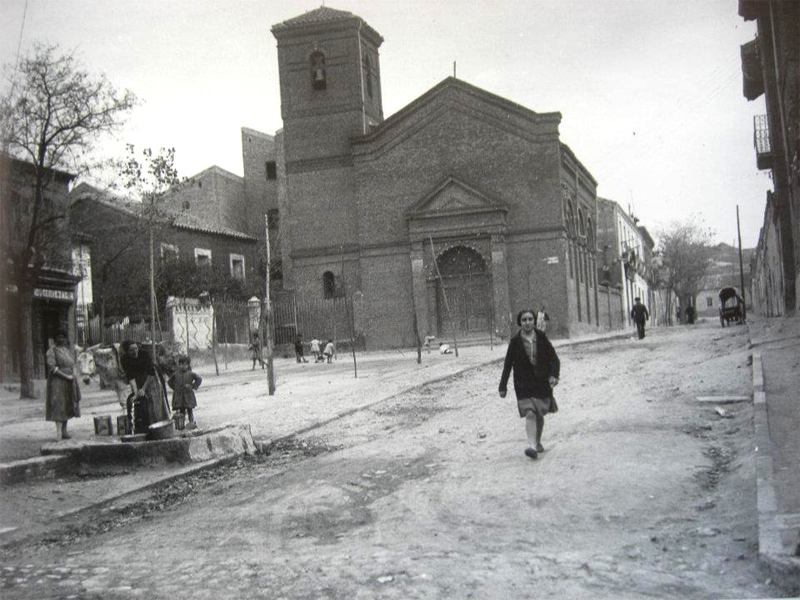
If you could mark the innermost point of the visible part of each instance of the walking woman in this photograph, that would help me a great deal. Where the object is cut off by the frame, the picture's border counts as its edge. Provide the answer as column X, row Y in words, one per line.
column 536, row 369
column 63, row 393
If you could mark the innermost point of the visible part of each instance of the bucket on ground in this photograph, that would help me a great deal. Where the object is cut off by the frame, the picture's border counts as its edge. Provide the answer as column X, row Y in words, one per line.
column 102, row 425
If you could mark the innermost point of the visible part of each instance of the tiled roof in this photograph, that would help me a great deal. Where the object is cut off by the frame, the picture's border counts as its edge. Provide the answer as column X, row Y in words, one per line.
column 178, row 219
column 323, row 14
column 192, row 222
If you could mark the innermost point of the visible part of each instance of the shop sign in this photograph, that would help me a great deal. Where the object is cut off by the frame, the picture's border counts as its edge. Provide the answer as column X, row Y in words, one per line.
column 65, row 295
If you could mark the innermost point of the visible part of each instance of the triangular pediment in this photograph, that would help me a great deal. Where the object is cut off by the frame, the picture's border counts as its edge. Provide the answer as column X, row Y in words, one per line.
column 453, row 196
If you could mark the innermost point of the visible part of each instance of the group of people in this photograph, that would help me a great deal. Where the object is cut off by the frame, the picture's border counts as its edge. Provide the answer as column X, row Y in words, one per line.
column 147, row 402
column 319, row 352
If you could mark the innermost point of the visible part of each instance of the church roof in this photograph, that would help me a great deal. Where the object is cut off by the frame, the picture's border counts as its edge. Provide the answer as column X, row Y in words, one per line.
column 324, row 15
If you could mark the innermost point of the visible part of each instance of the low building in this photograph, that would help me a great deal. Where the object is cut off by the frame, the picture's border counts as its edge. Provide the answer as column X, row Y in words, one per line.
column 116, row 236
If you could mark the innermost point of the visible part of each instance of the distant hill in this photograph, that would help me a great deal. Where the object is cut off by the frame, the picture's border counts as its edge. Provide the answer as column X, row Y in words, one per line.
column 724, row 271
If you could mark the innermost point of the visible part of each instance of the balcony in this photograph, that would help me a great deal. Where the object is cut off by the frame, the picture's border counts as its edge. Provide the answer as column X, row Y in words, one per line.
column 762, row 142
column 753, row 80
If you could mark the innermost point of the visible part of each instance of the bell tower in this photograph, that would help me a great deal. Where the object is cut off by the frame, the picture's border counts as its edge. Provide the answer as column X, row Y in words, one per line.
column 330, row 82
column 330, row 93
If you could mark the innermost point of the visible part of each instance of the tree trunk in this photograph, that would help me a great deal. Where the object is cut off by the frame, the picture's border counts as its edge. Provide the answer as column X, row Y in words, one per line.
column 27, row 390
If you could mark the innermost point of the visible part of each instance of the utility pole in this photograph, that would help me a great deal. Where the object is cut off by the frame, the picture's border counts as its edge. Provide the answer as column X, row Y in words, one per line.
column 267, row 317
column 741, row 266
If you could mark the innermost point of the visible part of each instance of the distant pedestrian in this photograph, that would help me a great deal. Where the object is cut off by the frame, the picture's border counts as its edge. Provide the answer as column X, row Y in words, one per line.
column 639, row 314
column 184, row 383
column 63, row 393
column 541, row 319
column 315, row 352
column 536, row 370
column 329, row 350
column 689, row 315
column 255, row 352
column 677, row 314
column 298, row 348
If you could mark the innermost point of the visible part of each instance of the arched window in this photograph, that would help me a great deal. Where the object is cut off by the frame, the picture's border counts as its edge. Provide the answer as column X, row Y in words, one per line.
column 590, row 239
column 328, row 285
column 581, row 224
column 368, row 74
column 570, row 218
column 319, row 79
column 459, row 261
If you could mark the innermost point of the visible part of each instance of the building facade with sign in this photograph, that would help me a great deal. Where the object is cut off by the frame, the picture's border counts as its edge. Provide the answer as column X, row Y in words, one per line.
column 449, row 216
column 52, row 301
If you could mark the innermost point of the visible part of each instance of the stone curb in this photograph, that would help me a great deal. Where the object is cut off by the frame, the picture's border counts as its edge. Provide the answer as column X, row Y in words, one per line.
column 222, row 442
column 775, row 563
column 17, row 535
column 36, row 469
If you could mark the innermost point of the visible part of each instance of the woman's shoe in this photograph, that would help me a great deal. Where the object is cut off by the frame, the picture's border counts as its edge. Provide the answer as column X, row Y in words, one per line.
column 531, row 453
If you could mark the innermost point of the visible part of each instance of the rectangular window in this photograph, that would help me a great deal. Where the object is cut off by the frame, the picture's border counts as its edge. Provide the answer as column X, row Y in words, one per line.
column 710, row 302
column 169, row 253
column 202, row 257
column 237, row 267
column 272, row 170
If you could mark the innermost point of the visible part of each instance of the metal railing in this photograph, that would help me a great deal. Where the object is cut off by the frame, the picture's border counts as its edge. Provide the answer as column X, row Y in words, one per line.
column 761, row 137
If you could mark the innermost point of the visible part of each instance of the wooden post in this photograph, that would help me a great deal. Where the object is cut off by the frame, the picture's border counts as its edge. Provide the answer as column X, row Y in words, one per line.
column 444, row 296
column 268, row 324
column 186, row 318
column 214, row 336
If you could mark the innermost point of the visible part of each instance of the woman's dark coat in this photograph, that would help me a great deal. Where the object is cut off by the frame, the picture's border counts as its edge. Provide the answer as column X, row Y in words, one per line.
column 531, row 381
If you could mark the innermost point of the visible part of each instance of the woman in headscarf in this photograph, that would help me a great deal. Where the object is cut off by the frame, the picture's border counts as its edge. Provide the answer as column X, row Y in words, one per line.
column 147, row 386
column 63, row 393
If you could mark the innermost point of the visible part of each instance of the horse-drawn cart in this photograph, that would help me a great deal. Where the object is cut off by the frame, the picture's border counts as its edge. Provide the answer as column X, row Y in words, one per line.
column 731, row 306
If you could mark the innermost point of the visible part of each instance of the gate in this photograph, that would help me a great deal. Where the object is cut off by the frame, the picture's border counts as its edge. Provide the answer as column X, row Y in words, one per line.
column 465, row 283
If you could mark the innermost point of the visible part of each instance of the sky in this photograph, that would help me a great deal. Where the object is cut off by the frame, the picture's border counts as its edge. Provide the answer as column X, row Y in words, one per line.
column 650, row 91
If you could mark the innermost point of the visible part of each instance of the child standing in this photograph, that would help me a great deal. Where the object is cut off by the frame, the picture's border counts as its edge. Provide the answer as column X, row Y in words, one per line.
column 184, row 382
column 328, row 352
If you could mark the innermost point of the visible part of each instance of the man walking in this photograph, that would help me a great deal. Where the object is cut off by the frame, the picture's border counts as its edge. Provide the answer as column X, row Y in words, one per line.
column 639, row 315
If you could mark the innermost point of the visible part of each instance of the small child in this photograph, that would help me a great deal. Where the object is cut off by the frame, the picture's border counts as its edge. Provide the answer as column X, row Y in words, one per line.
column 184, row 382
column 328, row 352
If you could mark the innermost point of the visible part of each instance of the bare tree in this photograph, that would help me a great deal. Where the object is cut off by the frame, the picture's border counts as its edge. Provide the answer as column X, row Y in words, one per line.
column 51, row 118
column 684, row 258
column 148, row 178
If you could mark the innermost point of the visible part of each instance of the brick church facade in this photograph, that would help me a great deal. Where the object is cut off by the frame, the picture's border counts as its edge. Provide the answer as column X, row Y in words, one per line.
column 457, row 211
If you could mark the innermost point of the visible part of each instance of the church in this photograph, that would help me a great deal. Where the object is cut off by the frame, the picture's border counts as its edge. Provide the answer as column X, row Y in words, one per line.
column 449, row 216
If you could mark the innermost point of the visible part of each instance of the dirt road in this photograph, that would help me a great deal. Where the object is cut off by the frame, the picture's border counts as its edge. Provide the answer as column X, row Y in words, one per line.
column 642, row 492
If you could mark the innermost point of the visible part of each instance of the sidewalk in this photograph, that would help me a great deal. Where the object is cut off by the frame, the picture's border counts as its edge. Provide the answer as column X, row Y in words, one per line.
column 307, row 395
column 775, row 346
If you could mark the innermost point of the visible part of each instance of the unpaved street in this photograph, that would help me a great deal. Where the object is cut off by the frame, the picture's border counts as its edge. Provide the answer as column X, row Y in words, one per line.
column 642, row 492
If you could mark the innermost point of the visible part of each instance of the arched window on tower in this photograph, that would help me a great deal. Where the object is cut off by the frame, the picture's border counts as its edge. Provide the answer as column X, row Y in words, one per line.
column 319, row 79
column 368, row 75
